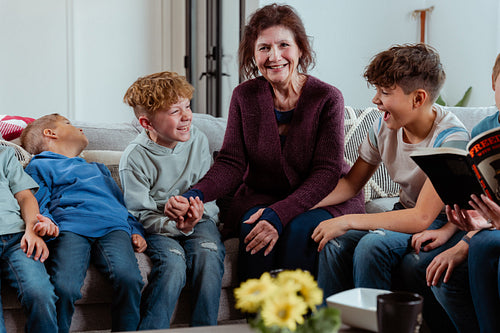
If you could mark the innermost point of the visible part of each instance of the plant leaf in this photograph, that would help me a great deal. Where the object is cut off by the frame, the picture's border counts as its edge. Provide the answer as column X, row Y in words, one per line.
column 440, row 101
column 465, row 99
column 325, row 320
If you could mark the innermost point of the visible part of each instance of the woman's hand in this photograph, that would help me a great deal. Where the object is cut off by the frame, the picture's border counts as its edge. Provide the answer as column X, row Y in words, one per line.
column 468, row 220
column 330, row 229
column 446, row 261
column 488, row 209
column 262, row 235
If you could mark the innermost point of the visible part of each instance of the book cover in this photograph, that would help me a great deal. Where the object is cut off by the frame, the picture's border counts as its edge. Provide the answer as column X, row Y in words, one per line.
column 456, row 173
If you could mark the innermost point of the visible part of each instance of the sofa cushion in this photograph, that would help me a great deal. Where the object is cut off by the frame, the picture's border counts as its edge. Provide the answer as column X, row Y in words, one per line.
column 11, row 127
column 103, row 136
column 110, row 158
column 22, row 155
column 470, row 116
column 357, row 122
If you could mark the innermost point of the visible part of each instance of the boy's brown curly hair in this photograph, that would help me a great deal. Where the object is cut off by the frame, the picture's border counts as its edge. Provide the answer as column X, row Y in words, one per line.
column 410, row 66
column 150, row 93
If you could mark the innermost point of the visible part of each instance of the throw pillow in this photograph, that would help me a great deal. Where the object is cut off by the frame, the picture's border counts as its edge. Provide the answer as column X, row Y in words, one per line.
column 12, row 126
column 110, row 158
column 22, row 155
column 357, row 123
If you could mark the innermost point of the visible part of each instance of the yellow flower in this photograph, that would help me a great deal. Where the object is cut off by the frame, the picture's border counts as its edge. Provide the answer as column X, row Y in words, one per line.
column 306, row 286
column 252, row 293
column 284, row 310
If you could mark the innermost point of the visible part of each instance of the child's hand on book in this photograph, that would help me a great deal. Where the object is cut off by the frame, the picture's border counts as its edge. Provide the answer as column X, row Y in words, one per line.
column 45, row 227
column 469, row 220
column 139, row 243
column 176, row 208
column 488, row 209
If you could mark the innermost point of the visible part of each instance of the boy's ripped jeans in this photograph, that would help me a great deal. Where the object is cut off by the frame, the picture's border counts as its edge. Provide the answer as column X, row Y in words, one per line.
column 199, row 258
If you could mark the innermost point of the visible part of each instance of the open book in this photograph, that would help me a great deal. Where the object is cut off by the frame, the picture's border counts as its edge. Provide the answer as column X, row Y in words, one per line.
column 457, row 173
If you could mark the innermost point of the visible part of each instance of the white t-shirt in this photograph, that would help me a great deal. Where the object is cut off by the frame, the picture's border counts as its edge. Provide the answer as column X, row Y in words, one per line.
column 386, row 145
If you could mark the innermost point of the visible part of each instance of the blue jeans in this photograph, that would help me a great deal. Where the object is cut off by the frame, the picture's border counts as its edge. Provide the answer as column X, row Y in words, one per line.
column 379, row 253
column 362, row 259
column 113, row 255
column 198, row 257
column 30, row 279
column 294, row 248
column 335, row 264
column 446, row 300
column 484, row 274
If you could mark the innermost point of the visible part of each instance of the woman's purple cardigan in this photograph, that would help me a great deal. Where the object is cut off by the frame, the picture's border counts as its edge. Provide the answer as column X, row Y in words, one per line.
column 290, row 180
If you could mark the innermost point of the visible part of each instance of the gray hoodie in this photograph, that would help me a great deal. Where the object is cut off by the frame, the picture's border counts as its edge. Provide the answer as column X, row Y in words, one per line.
column 150, row 174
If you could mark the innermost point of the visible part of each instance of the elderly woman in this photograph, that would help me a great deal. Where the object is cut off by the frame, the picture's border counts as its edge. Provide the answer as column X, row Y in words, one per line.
column 283, row 149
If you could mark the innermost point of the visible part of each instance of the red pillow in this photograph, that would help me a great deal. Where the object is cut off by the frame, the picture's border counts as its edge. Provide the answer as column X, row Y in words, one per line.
column 12, row 126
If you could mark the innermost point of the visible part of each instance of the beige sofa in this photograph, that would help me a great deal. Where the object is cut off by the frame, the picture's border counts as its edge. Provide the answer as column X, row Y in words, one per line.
column 106, row 141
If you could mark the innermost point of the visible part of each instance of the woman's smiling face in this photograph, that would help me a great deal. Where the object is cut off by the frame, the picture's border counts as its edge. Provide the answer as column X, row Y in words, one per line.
column 277, row 54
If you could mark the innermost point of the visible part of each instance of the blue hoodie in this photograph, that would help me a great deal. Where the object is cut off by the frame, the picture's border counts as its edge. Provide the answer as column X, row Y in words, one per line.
column 80, row 197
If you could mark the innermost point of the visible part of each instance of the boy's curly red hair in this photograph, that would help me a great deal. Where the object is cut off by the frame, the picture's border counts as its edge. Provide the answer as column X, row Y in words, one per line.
column 150, row 93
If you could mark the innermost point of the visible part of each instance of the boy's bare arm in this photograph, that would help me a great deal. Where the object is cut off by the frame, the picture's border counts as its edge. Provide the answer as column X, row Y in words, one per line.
column 31, row 243
column 410, row 220
column 349, row 185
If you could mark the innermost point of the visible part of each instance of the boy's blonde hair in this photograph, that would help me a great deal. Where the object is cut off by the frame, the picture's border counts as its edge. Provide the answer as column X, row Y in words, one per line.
column 496, row 68
column 32, row 138
column 410, row 66
column 156, row 91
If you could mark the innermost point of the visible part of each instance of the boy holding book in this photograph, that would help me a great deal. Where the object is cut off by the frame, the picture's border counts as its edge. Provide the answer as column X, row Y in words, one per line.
column 464, row 273
column 362, row 250
column 165, row 160
column 86, row 203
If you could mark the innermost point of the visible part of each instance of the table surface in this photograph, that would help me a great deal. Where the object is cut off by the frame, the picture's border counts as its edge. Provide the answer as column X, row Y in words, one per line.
column 235, row 328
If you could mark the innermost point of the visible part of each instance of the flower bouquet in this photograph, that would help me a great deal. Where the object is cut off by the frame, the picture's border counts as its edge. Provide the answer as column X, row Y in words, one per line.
column 286, row 302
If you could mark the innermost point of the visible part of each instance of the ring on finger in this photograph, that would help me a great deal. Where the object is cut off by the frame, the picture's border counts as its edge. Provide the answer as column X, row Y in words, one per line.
column 489, row 221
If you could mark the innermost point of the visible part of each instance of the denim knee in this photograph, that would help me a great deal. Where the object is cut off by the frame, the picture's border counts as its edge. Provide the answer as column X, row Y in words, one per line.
column 381, row 243
column 66, row 288
column 369, row 248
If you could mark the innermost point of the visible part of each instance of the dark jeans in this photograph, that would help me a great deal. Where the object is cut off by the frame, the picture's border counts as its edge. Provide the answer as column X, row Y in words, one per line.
column 113, row 255
column 294, row 249
column 30, row 279
column 484, row 274
column 197, row 258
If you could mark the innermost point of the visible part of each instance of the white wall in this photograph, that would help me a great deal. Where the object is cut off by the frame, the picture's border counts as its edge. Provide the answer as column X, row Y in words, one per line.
column 347, row 33
column 33, row 62
column 78, row 57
